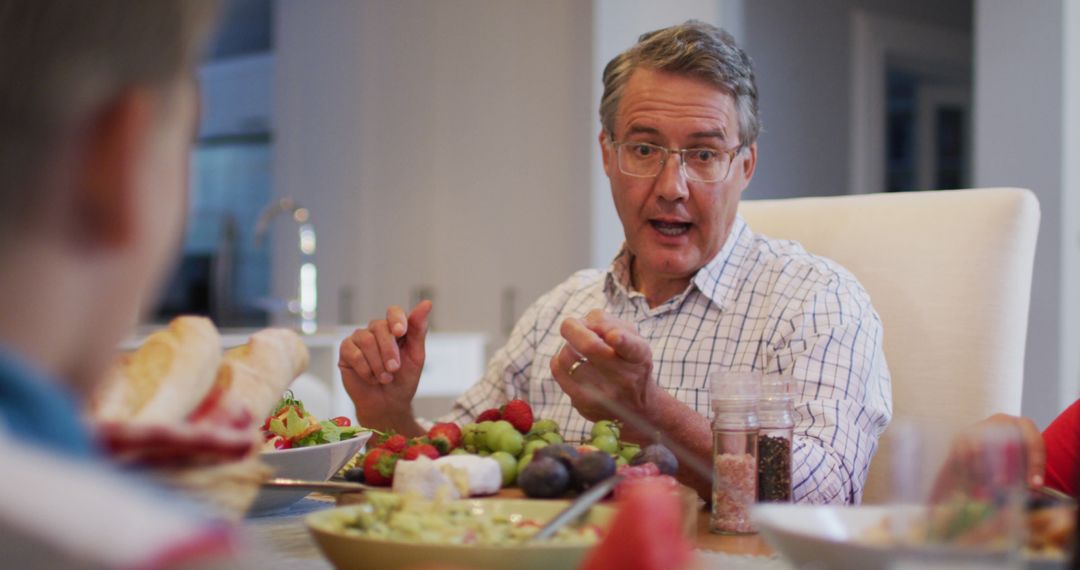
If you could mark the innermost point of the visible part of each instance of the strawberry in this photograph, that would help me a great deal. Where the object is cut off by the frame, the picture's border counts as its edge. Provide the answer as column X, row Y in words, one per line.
column 446, row 437
column 425, row 449
column 379, row 467
column 395, row 443
column 519, row 414
column 490, row 415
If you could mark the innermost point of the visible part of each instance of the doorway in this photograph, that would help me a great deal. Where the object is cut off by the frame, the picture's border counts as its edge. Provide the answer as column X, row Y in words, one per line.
column 911, row 105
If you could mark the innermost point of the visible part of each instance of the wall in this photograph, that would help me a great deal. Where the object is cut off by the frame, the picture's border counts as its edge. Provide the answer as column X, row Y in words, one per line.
column 1070, row 211
column 437, row 144
column 1026, row 83
column 801, row 54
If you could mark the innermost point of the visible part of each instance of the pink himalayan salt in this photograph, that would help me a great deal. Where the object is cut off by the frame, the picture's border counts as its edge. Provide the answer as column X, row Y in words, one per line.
column 734, row 492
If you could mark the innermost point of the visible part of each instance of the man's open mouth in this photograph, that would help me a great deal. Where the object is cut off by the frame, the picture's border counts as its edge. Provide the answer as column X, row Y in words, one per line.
column 671, row 228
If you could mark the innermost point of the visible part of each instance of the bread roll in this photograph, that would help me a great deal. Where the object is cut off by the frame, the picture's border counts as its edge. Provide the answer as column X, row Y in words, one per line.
column 256, row 373
column 166, row 378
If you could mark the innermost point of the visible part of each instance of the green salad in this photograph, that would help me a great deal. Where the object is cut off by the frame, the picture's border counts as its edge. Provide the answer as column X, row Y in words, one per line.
column 290, row 425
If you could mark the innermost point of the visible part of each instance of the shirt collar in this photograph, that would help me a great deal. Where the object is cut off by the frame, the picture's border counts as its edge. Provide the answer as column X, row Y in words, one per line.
column 716, row 279
column 37, row 411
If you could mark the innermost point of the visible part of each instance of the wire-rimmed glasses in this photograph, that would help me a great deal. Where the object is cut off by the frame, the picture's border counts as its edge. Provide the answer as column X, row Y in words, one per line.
column 645, row 160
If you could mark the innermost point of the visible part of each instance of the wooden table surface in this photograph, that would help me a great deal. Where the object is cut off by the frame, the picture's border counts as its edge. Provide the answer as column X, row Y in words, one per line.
column 744, row 545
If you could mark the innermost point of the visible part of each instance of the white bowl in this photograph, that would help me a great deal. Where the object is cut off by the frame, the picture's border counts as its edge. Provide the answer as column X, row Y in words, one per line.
column 825, row 537
column 314, row 463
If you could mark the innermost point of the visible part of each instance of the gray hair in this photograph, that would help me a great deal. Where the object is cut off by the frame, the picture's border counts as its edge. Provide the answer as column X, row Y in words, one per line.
column 694, row 49
column 61, row 61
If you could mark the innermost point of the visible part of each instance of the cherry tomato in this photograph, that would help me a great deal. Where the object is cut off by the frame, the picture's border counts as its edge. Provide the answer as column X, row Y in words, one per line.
column 283, row 444
column 342, row 421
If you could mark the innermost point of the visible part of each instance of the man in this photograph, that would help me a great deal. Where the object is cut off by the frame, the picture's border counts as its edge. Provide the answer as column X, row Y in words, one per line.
column 692, row 293
column 98, row 108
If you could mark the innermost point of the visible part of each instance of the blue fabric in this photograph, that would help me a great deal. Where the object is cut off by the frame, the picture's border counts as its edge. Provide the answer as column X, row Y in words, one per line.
column 36, row 410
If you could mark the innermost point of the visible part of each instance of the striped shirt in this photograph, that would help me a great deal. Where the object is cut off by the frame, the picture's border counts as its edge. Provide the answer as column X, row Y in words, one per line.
column 761, row 305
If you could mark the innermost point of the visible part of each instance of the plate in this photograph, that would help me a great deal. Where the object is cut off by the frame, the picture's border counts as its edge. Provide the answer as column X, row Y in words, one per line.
column 349, row 551
column 314, row 463
column 825, row 537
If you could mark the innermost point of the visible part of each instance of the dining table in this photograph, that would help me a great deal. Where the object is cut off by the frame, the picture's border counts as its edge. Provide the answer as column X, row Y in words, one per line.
column 281, row 540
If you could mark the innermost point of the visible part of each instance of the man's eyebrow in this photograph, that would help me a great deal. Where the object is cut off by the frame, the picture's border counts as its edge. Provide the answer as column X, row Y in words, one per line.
column 638, row 129
column 709, row 135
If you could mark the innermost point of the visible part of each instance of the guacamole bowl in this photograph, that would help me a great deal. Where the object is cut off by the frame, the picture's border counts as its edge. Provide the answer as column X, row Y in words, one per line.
column 349, row 547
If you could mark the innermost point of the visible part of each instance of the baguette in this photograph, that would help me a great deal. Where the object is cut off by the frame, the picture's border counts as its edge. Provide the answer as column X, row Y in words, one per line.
column 165, row 379
column 255, row 374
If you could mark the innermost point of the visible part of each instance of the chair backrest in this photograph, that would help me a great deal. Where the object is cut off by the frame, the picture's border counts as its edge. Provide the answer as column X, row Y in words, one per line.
column 950, row 274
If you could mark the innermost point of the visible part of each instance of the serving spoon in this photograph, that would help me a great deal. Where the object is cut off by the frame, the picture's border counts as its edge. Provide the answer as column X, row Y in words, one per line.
column 580, row 505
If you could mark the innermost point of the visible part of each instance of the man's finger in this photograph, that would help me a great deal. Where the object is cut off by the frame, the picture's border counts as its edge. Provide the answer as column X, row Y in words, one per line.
column 388, row 348
column 352, row 359
column 365, row 340
column 601, row 322
column 628, row 346
column 418, row 318
column 559, row 372
column 1036, row 452
column 397, row 321
column 583, row 340
column 418, row 328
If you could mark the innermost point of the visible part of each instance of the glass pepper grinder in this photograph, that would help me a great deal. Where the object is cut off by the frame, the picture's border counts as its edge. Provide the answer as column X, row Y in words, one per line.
column 777, row 426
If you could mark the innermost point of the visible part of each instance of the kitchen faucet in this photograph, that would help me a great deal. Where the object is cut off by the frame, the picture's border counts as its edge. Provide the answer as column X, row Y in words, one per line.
column 306, row 302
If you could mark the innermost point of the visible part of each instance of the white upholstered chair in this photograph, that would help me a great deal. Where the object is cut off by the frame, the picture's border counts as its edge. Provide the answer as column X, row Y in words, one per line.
column 950, row 274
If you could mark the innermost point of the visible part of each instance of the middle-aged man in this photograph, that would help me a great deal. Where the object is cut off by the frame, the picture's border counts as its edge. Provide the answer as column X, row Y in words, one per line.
column 98, row 109
column 692, row 293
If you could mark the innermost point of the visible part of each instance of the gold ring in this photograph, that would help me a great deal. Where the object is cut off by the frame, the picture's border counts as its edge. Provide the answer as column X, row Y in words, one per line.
column 577, row 364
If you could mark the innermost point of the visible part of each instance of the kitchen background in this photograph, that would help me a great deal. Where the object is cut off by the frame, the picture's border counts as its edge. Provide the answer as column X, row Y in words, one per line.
column 447, row 150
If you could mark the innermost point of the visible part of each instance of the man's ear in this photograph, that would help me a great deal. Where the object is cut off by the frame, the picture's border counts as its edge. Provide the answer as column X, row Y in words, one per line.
column 749, row 163
column 604, row 151
column 106, row 182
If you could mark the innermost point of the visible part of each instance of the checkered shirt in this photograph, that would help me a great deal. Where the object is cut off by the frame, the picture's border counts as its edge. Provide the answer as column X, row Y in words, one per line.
column 761, row 305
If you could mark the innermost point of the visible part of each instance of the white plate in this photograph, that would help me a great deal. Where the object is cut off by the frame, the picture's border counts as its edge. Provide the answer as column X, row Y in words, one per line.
column 825, row 537
column 314, row 463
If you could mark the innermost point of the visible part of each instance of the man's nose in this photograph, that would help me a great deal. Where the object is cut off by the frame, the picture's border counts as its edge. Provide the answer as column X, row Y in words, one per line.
column 671, row 182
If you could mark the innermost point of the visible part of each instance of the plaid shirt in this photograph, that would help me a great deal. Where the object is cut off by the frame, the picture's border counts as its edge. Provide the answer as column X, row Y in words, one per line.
column 760, row 305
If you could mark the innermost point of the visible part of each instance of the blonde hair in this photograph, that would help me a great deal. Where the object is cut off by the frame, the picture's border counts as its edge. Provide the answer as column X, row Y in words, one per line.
column 62, row 60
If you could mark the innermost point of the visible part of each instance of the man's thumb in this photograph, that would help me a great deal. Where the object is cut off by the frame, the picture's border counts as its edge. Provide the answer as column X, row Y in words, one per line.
column 418, row 328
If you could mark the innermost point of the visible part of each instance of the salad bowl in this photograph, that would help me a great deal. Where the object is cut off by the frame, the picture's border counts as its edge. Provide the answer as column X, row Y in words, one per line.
column 314, row 463
column 299, row 446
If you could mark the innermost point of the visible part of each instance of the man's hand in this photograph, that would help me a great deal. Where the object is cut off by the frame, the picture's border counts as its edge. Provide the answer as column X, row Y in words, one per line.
column 619, row 366
column 1030, row 438
column 381, row 365
column 989, row 449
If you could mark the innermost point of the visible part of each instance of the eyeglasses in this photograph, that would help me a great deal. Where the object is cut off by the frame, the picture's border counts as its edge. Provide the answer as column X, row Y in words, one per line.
column 645, row 160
